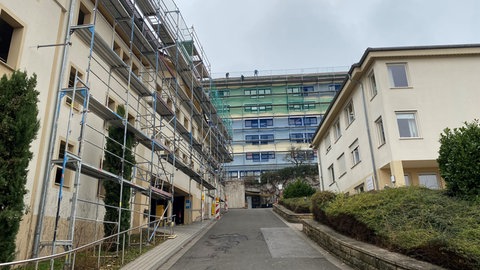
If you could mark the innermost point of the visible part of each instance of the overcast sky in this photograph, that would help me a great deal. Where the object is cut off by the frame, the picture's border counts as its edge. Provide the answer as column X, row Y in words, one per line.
column 244, row 35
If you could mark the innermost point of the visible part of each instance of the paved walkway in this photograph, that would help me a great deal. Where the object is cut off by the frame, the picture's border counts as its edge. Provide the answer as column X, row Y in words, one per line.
column 159, row 255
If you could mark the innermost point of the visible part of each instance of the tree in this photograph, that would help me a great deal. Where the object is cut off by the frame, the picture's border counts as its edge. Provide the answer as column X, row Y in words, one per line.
column 114, row 164
column 18, row 128
column 459, row 160
column 297, row 189
column 298, row 157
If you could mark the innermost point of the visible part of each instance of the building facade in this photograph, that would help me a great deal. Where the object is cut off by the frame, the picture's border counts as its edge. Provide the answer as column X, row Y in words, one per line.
column 92, row 58
column 383, row 128
column 273, row 118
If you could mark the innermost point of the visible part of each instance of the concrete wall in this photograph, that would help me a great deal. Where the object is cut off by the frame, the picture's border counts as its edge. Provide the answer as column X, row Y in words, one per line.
column 235, row 193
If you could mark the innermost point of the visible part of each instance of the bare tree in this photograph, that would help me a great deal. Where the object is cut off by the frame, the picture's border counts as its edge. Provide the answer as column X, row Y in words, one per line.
column 298, row 157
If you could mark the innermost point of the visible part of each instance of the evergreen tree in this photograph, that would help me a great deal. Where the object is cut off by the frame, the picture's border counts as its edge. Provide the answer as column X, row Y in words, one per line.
column 18, row 128
column 113, row 163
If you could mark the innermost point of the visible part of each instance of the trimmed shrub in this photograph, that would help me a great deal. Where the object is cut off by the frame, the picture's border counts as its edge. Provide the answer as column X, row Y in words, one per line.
column 297, row 189
column 319, row 200
column 297, row 205
column 459, row 160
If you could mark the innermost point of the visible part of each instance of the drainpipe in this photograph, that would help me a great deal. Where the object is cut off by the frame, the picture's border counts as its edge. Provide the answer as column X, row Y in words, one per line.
column 319, row 164
column 369, row 134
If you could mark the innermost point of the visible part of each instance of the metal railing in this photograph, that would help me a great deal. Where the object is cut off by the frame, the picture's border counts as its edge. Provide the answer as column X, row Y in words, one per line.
column 71, row 255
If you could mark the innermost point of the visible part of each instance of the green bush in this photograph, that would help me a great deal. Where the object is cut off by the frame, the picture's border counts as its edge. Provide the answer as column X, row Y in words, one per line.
column 297, row 189
column 459, row 160
column 297, row 205
column 422, row 223
column 18, row 128
column 319, row 201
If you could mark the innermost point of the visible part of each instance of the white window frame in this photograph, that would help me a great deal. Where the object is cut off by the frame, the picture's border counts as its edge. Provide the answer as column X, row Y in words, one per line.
column 349, row 113
column 373, row 85
column 327, row 142
column 337, row 130
column 331, row 174
column 355, row 153
column 342, row 165
column 380, row 131
column 395, row 81
column 413, row 131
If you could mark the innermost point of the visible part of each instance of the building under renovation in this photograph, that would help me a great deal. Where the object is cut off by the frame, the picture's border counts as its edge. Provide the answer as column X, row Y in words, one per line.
column 274, row 117
column 131, row 66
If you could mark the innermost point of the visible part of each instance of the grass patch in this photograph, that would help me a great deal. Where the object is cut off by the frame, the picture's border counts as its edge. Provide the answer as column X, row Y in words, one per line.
column 421, row 223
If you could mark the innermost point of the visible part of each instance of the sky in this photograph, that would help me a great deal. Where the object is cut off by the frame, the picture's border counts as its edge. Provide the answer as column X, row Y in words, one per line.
column 283, row 35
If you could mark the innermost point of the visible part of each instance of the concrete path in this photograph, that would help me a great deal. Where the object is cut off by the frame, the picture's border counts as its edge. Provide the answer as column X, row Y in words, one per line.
column 254, row 239
column 160, row 255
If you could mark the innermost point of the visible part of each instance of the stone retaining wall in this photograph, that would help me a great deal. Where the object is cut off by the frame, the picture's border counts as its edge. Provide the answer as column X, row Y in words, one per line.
column 289, row 215
column 357, row 254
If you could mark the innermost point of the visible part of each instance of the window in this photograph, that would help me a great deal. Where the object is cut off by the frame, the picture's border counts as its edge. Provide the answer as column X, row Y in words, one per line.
column 295, row 107
column 407, row 125
column 223, row 93
column 349, row 113
column 327, row 142
column 355, row 153
column 295, row 91
column 334, row 87
column 398, row 75
column 310, row 121
column 268, row 122
column 380, row 131
column 61, row 155
column 258, row 107
column 233, row 174
column 331, row 174
column 309, row 137
column 295, row 121
column 342, row 167
column 266, row 138
column 309, row 106
column 373, row 85
column 309, row 91
column 337, row 131
column 296, row 137
column 303, row 155
column 428, row 181
column 71, row 78
column 10, row 39
column 253, row 139
column 84, row 15
column 260, row 156
column 360, row 188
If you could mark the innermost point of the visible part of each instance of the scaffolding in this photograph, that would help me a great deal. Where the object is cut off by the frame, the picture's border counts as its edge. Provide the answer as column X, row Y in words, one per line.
column 141, row 56
column 287, row 108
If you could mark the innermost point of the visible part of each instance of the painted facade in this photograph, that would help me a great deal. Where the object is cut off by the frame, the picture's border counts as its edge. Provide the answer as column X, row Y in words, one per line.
column 383, row 128
column 91, row 57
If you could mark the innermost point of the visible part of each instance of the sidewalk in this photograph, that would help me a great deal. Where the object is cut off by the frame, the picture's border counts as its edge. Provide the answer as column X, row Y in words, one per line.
column 154, row 258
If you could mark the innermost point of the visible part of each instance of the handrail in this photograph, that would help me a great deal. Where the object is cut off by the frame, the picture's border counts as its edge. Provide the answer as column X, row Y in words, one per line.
column 86, row 246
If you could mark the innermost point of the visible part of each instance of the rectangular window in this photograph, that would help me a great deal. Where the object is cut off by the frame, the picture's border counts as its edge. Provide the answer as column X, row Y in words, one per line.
column 260, row 156
column 308, row 91
column 355, row 153
column 334, row 87
column 294, row 91
column 294, row 107
column 309, row 106
column 327, row 142
column 380, row 131
column 267, row 122
column 349, row 113
column 310, row 121
column 223, row 93
column 266, row 138
column 61, row 154
column 398, row 75
column 233, row 174
column 295, row 121
column 373, row 85
column 10, row 39
column 407, row 124
column 342, row 167
column 337, row 131
column 331, row 174
column 309, row 137
column 252, row 139
column 360, row 188
column 297, row 137
column 428, row 181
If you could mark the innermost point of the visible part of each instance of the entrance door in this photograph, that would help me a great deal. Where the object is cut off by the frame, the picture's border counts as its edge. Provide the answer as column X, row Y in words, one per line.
column 429, row 181
column 179, row 209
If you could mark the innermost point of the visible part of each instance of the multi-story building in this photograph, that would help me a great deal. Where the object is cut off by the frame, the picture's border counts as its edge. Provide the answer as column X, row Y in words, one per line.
column 383, row 128
column 90, row 58
column 274, row 118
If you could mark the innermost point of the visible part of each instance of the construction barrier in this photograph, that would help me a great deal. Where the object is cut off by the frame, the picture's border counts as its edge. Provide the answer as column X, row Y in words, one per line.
column 217, row 208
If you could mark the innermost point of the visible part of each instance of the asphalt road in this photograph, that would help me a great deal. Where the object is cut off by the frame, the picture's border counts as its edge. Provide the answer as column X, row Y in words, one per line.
column 254, row 239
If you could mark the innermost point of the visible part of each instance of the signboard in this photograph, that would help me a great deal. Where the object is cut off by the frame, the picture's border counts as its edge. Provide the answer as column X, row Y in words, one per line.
column 187, row 204
column 369, row 183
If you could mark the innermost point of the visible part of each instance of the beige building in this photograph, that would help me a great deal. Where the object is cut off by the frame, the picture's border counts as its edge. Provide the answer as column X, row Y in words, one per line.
column 384, row 126
column 90, row 57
